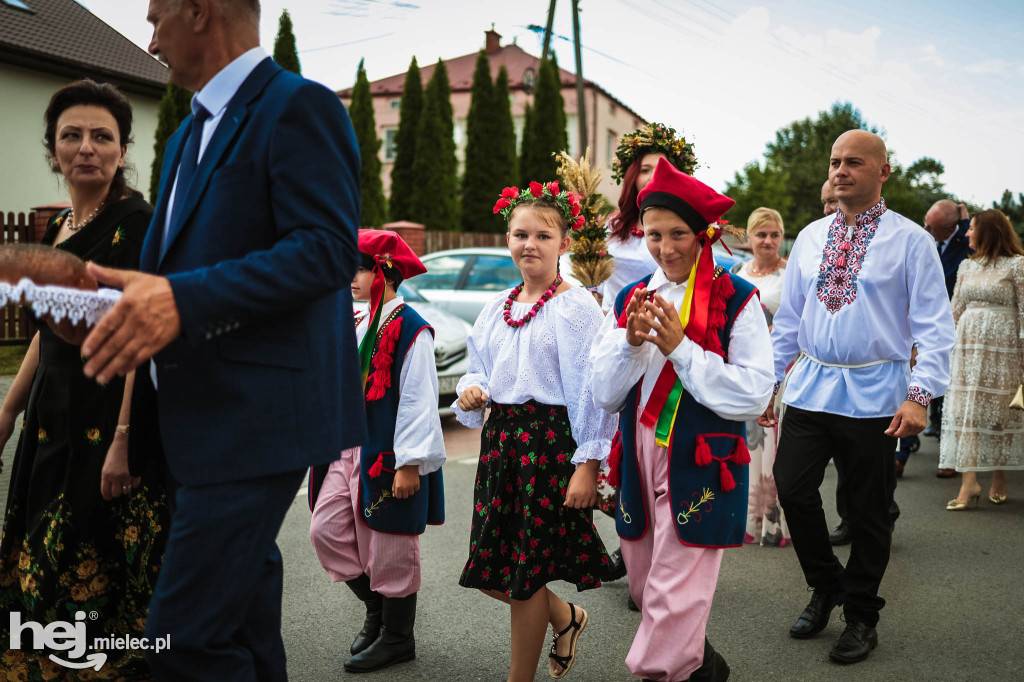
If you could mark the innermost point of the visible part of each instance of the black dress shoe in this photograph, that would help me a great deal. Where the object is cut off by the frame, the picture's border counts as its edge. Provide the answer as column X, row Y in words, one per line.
column 932, row 431
column 815, row 617
column 617, row 568
column 841, row 535
column 630, row 604
column 854, row 644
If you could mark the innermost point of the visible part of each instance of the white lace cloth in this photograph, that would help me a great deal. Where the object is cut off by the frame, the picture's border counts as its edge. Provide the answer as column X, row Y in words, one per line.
column 60, row 302
column 547, row 360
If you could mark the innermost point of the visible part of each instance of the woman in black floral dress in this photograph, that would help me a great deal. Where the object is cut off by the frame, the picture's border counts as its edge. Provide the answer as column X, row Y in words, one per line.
column 64, row 547
column 543, row 442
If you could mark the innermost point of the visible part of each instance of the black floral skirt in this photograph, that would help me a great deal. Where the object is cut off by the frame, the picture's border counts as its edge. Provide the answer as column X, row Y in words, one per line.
column 523, row 537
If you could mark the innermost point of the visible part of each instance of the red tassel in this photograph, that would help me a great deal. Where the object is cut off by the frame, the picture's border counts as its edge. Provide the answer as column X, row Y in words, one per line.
column 614, row 477
column 703, row 455
column 841, row 262
column 377, row 467
column 725, row 476
column 383, row 359
column 741, row 455
column 846, row 246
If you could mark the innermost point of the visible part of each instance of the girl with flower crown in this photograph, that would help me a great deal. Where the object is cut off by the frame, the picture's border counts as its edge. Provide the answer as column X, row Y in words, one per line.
column 634, row 163
column 544, row 440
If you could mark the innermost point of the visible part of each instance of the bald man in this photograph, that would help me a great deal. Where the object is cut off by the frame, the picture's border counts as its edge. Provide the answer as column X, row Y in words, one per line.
column 860, row 287
column 829, row 203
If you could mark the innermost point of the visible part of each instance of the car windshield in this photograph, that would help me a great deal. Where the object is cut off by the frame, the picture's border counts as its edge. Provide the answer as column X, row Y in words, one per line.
column 410, row 293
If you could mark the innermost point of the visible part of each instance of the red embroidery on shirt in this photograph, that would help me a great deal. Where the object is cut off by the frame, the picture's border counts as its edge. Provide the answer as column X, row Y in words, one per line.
column 843, row 257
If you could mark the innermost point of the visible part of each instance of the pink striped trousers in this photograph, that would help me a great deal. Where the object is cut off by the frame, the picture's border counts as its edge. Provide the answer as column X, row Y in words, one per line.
column 347, row 547
column 673, row 584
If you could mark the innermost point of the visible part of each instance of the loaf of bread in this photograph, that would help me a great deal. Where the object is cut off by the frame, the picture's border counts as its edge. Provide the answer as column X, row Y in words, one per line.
column 44, row 265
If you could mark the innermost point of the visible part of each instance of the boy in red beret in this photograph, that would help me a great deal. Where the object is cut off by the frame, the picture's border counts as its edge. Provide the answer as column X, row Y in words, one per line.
column 370, row 507
column 686, row 360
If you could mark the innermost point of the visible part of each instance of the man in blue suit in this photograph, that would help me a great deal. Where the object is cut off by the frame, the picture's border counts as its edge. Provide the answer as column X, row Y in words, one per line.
column 243, row 304
column 948, row 223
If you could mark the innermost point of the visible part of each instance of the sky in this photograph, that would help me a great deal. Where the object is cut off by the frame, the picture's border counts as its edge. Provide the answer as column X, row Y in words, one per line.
column 940, row 78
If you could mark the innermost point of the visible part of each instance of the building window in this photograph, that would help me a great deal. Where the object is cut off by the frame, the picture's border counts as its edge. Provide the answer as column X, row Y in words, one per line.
column 395, row 104
column 611, row 145
column 389, row 143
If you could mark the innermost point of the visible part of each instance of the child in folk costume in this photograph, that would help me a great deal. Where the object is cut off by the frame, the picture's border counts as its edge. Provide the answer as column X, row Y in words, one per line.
column 370, row 506
column 686, row 357
column 544, row 440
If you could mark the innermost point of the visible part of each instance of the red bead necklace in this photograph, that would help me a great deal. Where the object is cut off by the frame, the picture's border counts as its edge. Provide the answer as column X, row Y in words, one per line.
column 636, row 232
column 532, row 313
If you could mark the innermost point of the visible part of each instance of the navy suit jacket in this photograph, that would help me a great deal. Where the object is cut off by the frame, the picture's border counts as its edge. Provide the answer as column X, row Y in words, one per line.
column 957, row 249
column 262, row 251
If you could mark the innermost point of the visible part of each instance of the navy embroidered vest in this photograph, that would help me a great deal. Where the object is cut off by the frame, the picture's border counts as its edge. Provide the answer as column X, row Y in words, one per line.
column 379, row 509
column 704, row 451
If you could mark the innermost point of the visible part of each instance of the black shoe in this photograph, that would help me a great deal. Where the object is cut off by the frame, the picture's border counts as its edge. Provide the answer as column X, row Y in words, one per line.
column 374, row 602
column 713, row 668
column 395, row 644
column 841, row 535
column 815, row 617
column 617, row 569
column 630, row 604
column 932, row 431
column 854, row 644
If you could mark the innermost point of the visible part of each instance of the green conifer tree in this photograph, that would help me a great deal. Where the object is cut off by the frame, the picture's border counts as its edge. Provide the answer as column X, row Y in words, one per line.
column 364, row 122
column 548, row 126
column 528, row 150
column 503, row 161
column 478, row 178
column 435, row 194
column 174, row 106
column 285, row 52
column 402, row 179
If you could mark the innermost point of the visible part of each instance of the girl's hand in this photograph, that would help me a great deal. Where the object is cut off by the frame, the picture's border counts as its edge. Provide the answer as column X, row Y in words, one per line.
column 407, row 481
column 662, row 318
column 634, row 322
column 472, row 399
column 582, row 490
column 115, row 479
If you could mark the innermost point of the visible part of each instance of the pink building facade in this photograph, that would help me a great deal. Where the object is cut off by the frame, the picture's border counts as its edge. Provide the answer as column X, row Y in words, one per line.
column 607, row 118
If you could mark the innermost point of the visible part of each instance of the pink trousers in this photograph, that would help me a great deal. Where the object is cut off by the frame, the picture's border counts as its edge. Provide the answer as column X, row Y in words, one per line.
column 673, row 584
column 347, row 547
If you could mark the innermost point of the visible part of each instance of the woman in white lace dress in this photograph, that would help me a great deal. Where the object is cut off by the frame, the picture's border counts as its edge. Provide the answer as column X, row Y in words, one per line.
column 979, row 430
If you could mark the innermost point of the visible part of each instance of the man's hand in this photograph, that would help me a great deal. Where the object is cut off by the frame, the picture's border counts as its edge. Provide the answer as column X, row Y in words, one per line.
column 663, row 318
column 135, row 329
column 910, row 420
column 582, row 490
column 964, row 213
column 768, row 419
column 472, row 399
column 407, row 481
column 634, row 324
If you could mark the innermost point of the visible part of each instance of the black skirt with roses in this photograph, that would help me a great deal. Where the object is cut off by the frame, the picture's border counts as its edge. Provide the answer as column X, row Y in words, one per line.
column 523, row 537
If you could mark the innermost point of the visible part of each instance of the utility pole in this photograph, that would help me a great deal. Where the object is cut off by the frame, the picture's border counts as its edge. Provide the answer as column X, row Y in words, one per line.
column 581, row 106
column 547, row 31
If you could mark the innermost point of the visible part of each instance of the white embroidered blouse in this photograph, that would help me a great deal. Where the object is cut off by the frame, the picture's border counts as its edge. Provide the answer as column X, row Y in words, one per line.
column 418, row 436
column 547, row 360
column 738, row 388
column 857, row 295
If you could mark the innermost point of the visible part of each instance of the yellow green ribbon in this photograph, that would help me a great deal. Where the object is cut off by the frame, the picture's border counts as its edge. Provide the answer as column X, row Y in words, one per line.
column 667, row 418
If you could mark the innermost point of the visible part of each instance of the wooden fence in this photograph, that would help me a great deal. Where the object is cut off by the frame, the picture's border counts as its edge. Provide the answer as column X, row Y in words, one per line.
column 436, row 240
column 15, row 327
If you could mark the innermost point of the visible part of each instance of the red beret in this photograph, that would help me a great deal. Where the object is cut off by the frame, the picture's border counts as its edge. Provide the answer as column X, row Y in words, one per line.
column 386, row 247
column 685, row 195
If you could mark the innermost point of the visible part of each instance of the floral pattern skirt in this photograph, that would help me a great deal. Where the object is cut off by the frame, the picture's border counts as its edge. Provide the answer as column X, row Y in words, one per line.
column 522, row 536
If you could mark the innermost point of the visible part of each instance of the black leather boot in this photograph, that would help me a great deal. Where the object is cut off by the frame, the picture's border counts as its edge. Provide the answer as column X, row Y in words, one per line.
column 617, row 567
column 373, row 601
column 713, row 668
column 395, row 644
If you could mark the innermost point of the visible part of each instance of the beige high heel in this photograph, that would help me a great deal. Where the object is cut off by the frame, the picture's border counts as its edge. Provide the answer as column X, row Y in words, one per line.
column 957, row 505
column 997, row 499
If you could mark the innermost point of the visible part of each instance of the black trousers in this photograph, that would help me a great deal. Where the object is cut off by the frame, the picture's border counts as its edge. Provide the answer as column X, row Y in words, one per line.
column 864, row 457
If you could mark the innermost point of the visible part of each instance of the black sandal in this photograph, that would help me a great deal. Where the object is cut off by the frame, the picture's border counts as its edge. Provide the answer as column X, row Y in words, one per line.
column 558, row 666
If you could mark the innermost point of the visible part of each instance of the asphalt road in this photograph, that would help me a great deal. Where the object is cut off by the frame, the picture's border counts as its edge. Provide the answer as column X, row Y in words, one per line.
column 955, row 592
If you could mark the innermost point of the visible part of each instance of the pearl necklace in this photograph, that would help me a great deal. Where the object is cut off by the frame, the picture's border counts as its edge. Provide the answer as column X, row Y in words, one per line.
column 88, row 219
column 532, row 313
